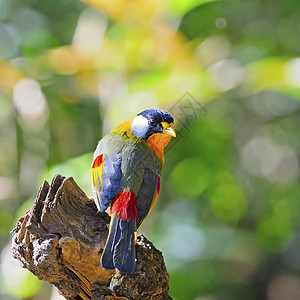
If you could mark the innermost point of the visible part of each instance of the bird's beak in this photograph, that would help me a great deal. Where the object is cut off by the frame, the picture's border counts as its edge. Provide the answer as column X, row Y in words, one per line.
column 168, row 129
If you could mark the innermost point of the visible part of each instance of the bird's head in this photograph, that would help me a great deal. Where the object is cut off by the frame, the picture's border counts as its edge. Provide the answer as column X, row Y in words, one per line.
column 153, row 122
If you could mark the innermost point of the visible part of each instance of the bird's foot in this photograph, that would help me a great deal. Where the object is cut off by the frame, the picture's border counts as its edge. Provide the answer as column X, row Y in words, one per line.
column 135, row 237
column 92, row 199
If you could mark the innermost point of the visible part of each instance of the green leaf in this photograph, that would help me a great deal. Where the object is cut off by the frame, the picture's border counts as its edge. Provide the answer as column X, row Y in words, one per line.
column 182, row 7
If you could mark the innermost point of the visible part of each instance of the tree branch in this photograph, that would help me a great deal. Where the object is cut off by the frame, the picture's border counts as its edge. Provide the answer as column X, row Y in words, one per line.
column 61, row 240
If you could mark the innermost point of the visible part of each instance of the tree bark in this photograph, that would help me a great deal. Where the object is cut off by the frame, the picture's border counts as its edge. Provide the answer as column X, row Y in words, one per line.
column 61, row 240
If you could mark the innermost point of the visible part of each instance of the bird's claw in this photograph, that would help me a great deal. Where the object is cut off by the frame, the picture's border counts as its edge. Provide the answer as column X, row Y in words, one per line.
column 135, row 237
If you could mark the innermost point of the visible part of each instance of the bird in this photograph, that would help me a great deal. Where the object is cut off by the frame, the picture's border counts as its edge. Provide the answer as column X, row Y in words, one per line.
column 126, row 170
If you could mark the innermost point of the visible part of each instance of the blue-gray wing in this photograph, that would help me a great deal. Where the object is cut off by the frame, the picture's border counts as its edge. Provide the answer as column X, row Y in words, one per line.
column 107, row 179
column 147, row 194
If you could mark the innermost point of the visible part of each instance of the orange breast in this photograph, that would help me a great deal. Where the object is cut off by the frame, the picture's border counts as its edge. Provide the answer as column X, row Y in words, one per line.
column 157, row 142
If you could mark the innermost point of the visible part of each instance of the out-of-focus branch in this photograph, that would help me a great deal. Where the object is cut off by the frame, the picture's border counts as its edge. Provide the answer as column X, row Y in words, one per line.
column 61, row 239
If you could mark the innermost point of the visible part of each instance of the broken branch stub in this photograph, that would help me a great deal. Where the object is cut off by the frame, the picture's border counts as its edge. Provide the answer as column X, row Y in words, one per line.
column 61, row 239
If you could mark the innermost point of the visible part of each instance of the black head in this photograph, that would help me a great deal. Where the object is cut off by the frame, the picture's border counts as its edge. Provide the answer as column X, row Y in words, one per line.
column 152, row 121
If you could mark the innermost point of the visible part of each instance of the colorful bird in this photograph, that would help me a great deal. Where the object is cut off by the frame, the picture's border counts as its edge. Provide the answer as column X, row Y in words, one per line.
column 126, row 174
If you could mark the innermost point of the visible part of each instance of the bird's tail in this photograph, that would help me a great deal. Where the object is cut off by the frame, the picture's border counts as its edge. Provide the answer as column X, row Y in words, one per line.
column 119, row 251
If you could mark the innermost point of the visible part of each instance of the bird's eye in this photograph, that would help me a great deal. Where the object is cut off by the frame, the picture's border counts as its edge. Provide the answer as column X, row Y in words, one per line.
column 152, row 123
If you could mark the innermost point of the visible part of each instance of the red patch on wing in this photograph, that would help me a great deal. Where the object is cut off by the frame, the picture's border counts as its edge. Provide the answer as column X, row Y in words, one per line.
column 125, row 206
column 98, row 161
column 158, row 186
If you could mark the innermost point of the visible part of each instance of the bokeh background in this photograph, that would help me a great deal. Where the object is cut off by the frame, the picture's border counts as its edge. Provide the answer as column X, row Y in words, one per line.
column 227, row 219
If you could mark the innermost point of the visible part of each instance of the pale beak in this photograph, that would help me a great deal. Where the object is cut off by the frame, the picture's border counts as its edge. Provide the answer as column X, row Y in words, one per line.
column 170, row 131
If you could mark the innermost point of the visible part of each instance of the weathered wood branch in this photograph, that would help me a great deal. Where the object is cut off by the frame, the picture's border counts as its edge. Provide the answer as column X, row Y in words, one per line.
column 61, row 239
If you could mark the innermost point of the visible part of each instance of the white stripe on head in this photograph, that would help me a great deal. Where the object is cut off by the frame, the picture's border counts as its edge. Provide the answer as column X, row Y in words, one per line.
column 139, row 126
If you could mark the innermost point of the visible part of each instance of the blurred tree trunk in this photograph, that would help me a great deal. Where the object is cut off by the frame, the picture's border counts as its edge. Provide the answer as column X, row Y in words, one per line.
column 61, row 239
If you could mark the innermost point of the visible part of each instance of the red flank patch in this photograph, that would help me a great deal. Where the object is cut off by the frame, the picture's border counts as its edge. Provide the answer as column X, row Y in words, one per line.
column 125, row 206
column 158, row 185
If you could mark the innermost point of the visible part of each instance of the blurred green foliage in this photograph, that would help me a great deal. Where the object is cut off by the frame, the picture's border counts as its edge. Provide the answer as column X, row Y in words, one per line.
column 227, row 219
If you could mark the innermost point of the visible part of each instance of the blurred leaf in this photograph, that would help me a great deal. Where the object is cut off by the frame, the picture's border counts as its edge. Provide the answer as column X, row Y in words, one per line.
column 6, row 221
column 23, row 209
column 183, row 7
column 227, row 200
column 9, row 77
column 16, row 281
column 27, row 287
column 197, row 279
column 189, row 178
column 38, row 41
column 273, row 232
column 266, row 74
column 78, row 168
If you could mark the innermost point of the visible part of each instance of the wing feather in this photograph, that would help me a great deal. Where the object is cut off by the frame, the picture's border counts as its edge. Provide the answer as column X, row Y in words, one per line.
column 147, row 195
column 107, row 179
